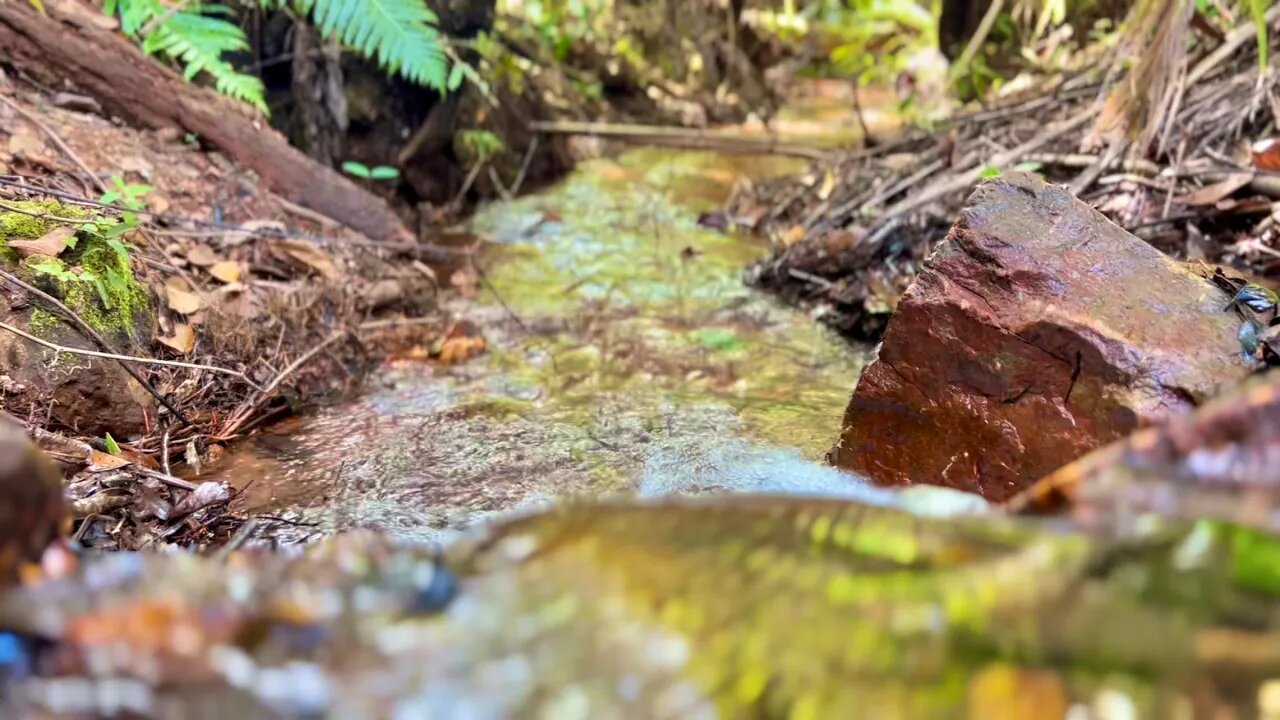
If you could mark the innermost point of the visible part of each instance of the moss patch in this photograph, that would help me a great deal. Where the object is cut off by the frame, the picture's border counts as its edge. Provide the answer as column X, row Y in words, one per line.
column 22, row 226
column 91, row 278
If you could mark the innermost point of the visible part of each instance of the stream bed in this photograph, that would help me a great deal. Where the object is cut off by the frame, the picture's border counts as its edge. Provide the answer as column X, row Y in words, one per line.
column 625, row 355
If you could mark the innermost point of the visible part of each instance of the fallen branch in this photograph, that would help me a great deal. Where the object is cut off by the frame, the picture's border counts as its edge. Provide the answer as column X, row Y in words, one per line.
column 680, row 137
column 126, row 358
column 103, row 64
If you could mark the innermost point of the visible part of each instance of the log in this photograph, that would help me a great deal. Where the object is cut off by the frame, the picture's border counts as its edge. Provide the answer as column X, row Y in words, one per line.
column 74, row 44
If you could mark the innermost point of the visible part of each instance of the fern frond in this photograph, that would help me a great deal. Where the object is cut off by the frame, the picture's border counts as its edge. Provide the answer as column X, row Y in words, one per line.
column 399, row 35
column 193, row 38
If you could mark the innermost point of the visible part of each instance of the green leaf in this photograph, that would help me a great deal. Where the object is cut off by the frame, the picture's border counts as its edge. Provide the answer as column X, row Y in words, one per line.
column 109, row 197
column 54, row 269
column 384, row 172
column 456, row 76
column 718, row 339
column 359, row 170
column 112, row 446
column 1028, row 166
column 399, row 35
column 1258, row 8
column 988, row 172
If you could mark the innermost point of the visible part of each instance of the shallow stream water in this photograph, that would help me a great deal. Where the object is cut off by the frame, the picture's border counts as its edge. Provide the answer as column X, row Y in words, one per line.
column 625, row 354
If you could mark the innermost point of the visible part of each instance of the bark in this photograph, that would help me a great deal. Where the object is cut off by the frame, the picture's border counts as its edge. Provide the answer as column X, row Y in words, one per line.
column 71, row 44
column 318, row 94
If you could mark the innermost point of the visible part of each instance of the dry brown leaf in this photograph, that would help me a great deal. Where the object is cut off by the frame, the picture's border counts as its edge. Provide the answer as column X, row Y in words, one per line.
column 460, row 349
column 311, row 256
column 158, row 203
column 228, row 271
column 201, row 255
column 25, row 143
column 1215, row 193
column 101, row 462
column 183, row 339
column 1266, row 154
column 181, row 301
column 51, row 243
column 793, row 235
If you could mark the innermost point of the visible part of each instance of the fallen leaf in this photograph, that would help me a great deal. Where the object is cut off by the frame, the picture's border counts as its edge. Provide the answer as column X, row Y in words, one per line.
column 460, row 349
column 25, row 143
column 1266, row 154
column 183, row 339
column 51, row 243
column 192, row 456
column 201, row 255
column 181, row 301
column 310, row 255
column 158, row 203
column 1215, row 193
column 828, row 184
column 228, row 271
column 101, row 462
column 793, row 235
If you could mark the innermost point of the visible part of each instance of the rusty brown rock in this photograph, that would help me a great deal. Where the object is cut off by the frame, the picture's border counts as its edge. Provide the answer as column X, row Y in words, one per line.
column 33, row 511
column 1221, row 461
column 1036, row 332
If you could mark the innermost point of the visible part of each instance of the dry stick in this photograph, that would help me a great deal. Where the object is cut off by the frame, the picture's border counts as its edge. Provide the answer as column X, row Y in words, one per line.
column 246, row 410
column 435, row 250
column 42, row 216
column 93, row 335
column 125, row 358
column 964, row 180
column 679, row 137
column 57, row 140
column 1241, row 34
column 524, row 166
column 979, row 35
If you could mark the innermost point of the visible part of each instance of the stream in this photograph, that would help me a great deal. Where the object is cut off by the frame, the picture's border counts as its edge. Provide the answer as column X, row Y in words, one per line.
column 625, row 355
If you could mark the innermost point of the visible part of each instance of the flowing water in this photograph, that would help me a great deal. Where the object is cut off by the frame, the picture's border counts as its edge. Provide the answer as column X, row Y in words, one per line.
column 624, row 355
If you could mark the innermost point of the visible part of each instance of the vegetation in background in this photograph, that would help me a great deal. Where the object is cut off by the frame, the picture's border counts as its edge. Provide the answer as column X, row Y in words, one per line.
column 399, row 35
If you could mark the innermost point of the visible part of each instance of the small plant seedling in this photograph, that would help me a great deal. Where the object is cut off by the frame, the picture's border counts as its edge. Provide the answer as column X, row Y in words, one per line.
column 378, row 172
column 988, row 172
column 113, row 448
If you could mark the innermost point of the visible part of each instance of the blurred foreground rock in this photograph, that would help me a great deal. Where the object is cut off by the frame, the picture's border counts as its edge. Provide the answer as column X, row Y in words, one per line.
column 32, row 508
column 742, row 607
column 1221, row 461
column 1036, row 332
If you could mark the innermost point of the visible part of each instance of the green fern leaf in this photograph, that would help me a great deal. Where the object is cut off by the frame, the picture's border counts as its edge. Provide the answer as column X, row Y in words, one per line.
column 399, row 35
column 198, row 42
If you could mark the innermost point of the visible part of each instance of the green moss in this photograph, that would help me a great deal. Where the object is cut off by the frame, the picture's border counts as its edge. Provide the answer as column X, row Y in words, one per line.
column 23, row 226
column 115, row 305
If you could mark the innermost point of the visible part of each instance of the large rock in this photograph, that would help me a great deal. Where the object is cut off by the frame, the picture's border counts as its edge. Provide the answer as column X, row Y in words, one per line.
column 1036, row 332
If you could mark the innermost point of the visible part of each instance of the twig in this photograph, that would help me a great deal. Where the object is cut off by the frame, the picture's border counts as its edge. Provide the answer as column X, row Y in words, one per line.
column 126, row 358
column 57, row 140
column 41, row 215
column 92, row 334
column 965, row 179
column 247, row 409
column 680, row 137
column 238, row 540
column 466, row 185
column 436, row 250
column 979, row 36
column 1238, row 36
column 165, row 478
column 524, row 166
column 164, row 452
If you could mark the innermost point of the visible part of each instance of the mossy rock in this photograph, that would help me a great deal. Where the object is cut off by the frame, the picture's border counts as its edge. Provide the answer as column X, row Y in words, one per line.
column 91, row 278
